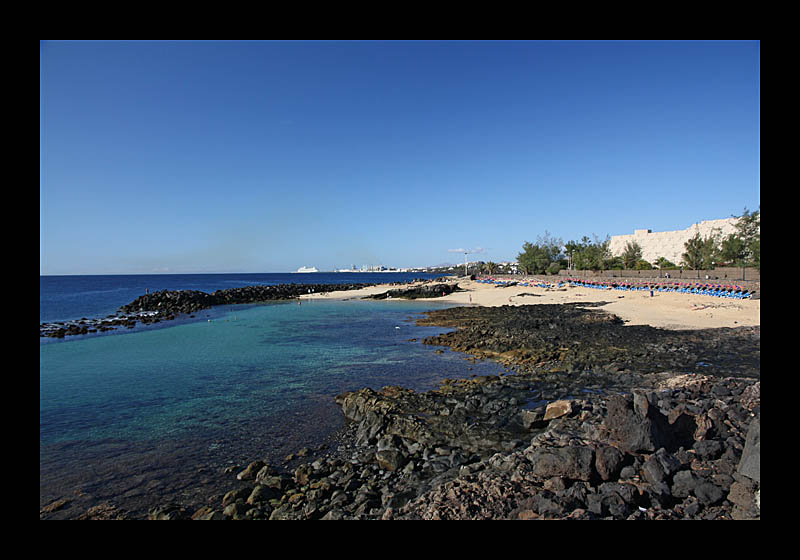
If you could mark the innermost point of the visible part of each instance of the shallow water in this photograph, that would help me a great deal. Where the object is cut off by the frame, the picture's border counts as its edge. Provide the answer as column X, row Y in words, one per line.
column 156, row 414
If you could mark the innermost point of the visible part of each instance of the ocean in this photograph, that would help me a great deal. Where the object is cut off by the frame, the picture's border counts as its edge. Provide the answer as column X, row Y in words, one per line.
column 157, row 414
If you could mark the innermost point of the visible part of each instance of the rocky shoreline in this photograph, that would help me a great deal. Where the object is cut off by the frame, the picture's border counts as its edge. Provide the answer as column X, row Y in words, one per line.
column 595, row 420
column 658, row 435
column 426, row 290
column 166, row 305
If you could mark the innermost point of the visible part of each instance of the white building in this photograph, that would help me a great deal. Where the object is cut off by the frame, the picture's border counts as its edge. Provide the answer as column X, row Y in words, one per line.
column 670, row 244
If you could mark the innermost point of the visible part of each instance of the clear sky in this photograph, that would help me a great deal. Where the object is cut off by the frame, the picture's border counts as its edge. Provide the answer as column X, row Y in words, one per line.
column 267, row 156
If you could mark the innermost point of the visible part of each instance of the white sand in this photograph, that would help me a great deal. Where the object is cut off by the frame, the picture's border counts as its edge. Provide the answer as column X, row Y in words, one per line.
column 667, row 310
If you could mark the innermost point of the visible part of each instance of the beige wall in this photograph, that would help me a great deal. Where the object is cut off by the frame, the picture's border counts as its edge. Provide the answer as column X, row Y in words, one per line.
column 670, row 244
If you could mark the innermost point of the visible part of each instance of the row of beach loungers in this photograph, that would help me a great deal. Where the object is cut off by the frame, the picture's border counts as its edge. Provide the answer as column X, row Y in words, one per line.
column 717, row 290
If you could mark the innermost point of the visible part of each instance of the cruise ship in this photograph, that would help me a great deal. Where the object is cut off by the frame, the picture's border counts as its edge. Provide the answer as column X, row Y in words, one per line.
column 307, row 269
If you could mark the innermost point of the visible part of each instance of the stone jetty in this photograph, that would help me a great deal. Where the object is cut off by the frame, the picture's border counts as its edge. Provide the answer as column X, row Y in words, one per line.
column 428, row 290
column 166, row 305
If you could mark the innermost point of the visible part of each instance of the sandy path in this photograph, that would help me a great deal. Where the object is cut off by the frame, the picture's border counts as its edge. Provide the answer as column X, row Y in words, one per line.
column 666, row 310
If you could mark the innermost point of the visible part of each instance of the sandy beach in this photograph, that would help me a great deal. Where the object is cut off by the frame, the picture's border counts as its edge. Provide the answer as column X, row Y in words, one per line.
column 665, row 310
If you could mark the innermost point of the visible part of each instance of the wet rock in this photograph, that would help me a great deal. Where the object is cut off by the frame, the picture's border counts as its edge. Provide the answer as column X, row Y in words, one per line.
column 103, row 512
column 302, row 474
column 236, row 510
column 261, row 494
column 168, row 512
column 249, row 473
column 54, row 506
column 239, row 494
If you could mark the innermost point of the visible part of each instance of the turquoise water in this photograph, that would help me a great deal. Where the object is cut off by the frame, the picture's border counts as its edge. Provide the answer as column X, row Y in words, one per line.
column 254, row 379
column 242, row 362
column 64, row 298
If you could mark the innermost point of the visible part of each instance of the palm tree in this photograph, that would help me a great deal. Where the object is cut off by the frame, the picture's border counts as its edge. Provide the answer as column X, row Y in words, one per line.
column 632, row 254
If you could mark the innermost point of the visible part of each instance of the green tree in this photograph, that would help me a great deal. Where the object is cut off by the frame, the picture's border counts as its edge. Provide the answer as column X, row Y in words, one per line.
column 744, row 246
column 554, row 268
column 536, row 258
column 632, row 254
column 590, row 255
column 490, row 267
column 664, row 264
column 701, row 252
column 527, row 259
column 615, row 263
column 733, row 250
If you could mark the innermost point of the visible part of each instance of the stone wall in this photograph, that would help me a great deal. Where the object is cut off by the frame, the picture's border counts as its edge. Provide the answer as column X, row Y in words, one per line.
column 719, row 275
column 670, row 244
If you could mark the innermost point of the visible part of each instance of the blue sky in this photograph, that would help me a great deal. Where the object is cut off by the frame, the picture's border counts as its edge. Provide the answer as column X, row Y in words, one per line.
column 267, row 156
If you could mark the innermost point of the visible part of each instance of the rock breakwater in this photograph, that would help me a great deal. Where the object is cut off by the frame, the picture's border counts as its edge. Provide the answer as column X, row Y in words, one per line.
column 419, row 292
column 166, row 305
column 189, row 301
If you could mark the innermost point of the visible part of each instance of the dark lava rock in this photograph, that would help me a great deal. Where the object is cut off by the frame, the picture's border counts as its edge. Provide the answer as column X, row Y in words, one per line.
column 419, row 458
column 636, row 428
column 577, row 338
column 646, row 442
column 419, row 292
column 190, row 301
column 167, row 304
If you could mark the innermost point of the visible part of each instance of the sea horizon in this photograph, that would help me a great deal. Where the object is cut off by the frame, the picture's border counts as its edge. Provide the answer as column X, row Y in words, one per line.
column 66, row 297
column 124, row 414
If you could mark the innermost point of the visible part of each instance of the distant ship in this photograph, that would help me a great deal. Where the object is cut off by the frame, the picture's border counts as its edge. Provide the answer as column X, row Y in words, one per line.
column 307, row 269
